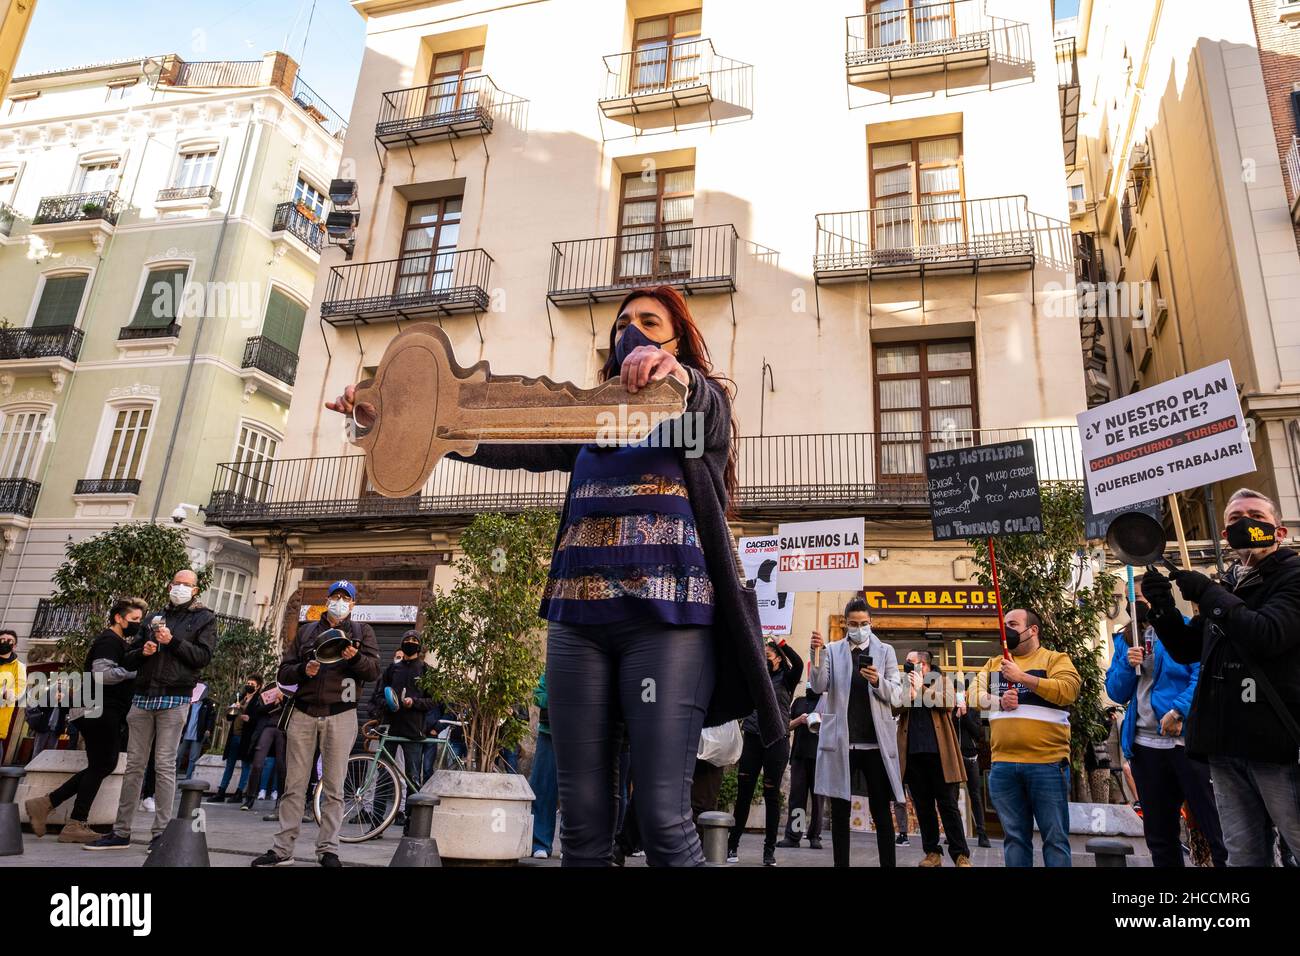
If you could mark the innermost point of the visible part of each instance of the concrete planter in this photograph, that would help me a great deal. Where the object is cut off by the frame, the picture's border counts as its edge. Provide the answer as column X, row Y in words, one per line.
column 484, row 817
column 51, row 768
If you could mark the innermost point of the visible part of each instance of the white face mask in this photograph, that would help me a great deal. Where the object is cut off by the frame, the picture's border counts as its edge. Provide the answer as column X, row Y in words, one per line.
column 181, row 593
column 339, row 609
column 859, row 635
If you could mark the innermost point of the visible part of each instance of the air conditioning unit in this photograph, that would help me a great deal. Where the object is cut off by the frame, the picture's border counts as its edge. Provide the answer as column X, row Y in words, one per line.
column 343, row 192
column 1077, row 207
column 341, row 228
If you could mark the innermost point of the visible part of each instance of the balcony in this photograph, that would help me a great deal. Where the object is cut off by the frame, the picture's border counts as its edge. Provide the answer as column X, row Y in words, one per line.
column 849, row 473
column 226, row 74
column 1067, row 86
column 696, row 259
column 107, row 486
column 135, row 333
column 447, row 110
column 54, row 620
column 675, row 77
column 413, row 287
column 48, row 347
column 18, row 496
column 1127, row 224
column 186, row 197
column 289, row 220
column 91, row 216
column 269, row 366
column 1292, row 163
column 916, row 40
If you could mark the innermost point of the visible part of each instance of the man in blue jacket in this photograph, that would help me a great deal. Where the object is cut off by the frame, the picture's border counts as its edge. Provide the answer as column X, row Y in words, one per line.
column 1156, row 703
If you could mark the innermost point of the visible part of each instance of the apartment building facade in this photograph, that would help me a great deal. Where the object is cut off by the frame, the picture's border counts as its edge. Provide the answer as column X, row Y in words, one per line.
column 160, row 239
column 874, row 254
column 1182, row 211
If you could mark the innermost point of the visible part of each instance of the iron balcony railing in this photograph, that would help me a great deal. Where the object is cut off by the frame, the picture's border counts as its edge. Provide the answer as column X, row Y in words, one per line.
column 684, row 73
column 958, row 32
column 315, row 107
column 77, row 207
column 56, row 341
column 108, row 486
column 776, row 472
column 454, row 107
column 219, row 73
column 130, row 332
column 289, row 219
column 173, row 193
column 952, row 234
column 1067, row 62
column 432, row 283
column 18, row 496
column 694, row 258
column 57, row 620
column 1293, row 171
column 271, row 357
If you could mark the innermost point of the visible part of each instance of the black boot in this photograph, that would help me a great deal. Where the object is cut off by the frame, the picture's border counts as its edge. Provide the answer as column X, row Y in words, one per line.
column 218, row 797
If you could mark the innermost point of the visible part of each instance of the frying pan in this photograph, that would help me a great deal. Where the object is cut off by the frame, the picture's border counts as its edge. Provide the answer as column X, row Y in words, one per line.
column 1138, row 539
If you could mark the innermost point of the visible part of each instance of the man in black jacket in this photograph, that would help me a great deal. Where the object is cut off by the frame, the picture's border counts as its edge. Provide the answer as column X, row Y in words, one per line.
column 1246, row 632
column 324, row 715
column 169, row 654
column 402, row 678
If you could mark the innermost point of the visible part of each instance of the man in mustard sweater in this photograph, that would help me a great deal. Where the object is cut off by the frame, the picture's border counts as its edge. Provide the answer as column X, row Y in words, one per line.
column 1029, row 698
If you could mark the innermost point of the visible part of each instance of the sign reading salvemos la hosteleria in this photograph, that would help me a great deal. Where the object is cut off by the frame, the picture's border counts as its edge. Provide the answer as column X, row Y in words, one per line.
column 984, row 490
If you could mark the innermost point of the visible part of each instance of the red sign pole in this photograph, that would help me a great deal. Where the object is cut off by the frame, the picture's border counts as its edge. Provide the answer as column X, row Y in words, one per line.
column 997, row 593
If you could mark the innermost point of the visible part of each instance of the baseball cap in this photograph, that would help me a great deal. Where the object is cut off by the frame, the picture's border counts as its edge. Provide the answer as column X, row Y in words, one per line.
column 346, row 586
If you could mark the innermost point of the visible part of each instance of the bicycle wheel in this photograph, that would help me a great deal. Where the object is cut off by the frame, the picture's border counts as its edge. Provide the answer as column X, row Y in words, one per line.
column 372, row 791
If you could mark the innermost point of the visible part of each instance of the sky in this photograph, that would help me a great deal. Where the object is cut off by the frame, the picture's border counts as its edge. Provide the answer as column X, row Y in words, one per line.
column 67, row 33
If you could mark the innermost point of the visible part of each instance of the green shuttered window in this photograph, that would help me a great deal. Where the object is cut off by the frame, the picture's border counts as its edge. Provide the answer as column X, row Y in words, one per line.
column 60, row 301
column 284, row 319
column 161, row 298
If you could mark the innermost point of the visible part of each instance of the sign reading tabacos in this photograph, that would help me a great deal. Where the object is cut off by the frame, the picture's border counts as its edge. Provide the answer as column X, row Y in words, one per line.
column 931, row 599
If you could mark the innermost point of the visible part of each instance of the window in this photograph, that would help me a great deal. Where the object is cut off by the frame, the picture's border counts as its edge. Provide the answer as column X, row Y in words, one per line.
column 925, row 401
column 451, row 81
column 126, row 446
column 8, row 184
column 229, row 588
column 897, row 22
column 196, row 168
column 665, row 51
column 160, row 298
column 916, row 193
column 284, row 320
column 309, row 196
column 654, row 224
column 1076, row 192
column 20, row 441
column 60, row 301
column 120, row 91
column 428, row 246
column 98, row 176
column 253, row 457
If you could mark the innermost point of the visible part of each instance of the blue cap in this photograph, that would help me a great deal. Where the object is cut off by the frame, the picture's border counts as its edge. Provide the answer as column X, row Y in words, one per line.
column 347, row 586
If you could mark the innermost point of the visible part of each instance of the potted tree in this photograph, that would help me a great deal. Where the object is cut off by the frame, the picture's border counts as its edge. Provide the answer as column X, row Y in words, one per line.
column 485, row 647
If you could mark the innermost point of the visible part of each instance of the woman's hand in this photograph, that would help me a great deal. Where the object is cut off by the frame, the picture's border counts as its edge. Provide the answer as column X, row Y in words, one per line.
column 646, row 364
column 346, row 404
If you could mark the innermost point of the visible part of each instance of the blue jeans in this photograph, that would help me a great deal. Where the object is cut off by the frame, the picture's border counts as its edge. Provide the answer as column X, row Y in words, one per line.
column 1248, row 792
column 187, row 758
column 545, row 794
column 1023, row 793
column 245, row 768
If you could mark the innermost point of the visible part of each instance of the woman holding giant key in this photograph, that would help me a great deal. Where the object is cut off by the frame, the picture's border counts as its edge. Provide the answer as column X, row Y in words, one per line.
column 648, row 618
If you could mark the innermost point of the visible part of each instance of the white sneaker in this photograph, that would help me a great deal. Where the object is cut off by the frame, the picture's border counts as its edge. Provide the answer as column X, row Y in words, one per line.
column 275, row 794
column 149, row 806
column 541, row 855
column 261, row 794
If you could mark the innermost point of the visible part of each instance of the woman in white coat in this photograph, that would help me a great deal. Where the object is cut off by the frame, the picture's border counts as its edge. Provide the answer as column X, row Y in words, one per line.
column 858, row 735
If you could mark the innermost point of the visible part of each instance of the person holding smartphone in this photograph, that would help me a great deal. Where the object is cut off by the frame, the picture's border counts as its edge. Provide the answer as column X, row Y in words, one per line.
column 858, row 680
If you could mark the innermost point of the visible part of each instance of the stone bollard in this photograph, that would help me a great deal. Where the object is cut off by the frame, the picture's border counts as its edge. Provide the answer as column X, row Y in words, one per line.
column 11, row 830
column 715, row 825
column 184, row 842
column 1108, row 851
column 417, row 846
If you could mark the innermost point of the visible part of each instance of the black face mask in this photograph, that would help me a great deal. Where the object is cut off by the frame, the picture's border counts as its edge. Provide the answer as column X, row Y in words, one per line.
column 1246, row 533
column 1142, row 610
column 131, row 629
column 1013, row 638
column 410, row 647
column 250, row 688
column 631, row 338
column 6, row 648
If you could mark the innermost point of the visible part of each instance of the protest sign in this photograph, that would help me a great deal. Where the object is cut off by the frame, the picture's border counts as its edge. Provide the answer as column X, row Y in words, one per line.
column 820, row 555
column 759, row 559
column 983, row 491
column 1180, row 434
column 1096, row 524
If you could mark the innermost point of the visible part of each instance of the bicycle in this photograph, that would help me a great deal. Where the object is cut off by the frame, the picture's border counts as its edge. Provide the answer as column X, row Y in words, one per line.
column 374, row 786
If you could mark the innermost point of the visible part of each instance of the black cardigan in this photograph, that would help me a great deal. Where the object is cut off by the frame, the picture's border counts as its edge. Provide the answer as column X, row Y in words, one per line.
column 743, row 683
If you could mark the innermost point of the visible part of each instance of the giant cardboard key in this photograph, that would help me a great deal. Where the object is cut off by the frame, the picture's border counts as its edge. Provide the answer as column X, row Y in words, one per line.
column 426, row 405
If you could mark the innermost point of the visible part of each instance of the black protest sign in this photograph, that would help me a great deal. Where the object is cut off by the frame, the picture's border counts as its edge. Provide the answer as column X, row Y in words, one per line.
column 984, row 491
column 1095, row 525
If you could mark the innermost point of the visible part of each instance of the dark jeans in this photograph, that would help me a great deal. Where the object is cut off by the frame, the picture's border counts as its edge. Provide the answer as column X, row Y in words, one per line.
column 975, row 787
column 545, row 796
column 1025, row 793
column 103, row 736
column 270, row 742
column 925, row 778
column 771, row 760
column 412, row 764
column 1165, row 778
column 803, row 771
column 245, row 768
column 187, row 758
column 705, row 787
column 660, row 678
column 869, row 765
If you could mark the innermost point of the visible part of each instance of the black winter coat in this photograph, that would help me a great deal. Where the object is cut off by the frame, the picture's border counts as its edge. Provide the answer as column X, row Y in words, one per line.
column 1255, row 613
column 174, row 668
column 743, row 683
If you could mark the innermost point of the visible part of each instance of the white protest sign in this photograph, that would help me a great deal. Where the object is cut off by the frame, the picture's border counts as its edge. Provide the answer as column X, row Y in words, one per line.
column 759, row 559
column 820, row 555
column 1180, row 434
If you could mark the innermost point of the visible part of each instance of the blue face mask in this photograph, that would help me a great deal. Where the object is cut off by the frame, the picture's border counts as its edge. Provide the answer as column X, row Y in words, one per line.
column 631, row 338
